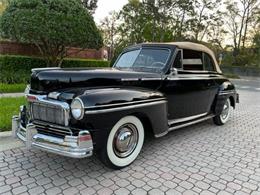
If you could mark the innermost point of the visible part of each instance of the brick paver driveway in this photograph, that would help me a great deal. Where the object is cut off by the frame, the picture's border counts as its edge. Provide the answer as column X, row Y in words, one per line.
column 203, row 158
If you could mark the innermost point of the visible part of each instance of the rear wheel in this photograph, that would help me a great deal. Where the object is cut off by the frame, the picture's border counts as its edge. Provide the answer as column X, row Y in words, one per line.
column 124, row 143
column 222, row 118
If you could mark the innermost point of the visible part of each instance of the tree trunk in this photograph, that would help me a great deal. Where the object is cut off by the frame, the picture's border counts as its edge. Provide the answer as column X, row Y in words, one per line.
column 181, row 25
column 198, row 24
column 241, row 28
column 245, row 30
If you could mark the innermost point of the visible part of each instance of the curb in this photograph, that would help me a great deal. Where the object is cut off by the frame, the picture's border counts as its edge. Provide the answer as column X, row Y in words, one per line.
column 11, row 94
column 6, row 134
column 7, row 142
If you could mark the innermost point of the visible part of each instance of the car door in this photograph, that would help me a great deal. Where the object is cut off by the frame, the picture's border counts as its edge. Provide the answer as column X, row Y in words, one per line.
column 188, row 90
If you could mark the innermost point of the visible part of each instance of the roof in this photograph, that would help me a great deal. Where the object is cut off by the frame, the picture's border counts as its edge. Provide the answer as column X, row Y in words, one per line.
column 192, row 46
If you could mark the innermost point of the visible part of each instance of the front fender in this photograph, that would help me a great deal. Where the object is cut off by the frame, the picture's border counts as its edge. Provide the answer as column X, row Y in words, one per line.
column 111, row 97
column 104, row 107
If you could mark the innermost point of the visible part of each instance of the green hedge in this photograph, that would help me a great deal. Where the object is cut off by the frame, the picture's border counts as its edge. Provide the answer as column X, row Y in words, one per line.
column 17, row 69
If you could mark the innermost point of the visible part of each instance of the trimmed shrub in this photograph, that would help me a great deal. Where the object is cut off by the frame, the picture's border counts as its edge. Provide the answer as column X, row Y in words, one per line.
column 17, row 69
column 52, row 25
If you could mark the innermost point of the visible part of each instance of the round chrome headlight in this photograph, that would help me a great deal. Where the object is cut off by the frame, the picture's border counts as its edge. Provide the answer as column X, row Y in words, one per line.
column 77, row 108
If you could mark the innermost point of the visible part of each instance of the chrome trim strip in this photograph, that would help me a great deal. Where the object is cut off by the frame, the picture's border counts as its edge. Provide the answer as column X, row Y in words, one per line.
column 198, row 73
column 125, row 103
column 161, row 134
column 179, row 120
column 194, row 77
column 191, row 123
column 51, row 68
column 130, row 79
column 124, row 108
column 226, row 92
column 151, row 79
column 190, row 78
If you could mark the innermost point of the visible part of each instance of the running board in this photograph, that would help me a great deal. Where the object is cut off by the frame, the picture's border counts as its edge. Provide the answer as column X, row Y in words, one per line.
column 191, row 122
column 184, row 124
column 181, row 120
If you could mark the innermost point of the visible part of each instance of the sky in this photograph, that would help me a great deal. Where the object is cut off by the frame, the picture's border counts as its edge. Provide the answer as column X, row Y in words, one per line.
column 106, row 6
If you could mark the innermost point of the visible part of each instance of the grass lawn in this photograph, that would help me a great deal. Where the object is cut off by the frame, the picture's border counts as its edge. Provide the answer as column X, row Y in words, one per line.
column 9, row 106
column 12, row 88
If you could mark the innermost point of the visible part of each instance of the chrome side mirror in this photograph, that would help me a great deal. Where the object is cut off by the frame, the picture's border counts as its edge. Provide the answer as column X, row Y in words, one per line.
column 174, row 71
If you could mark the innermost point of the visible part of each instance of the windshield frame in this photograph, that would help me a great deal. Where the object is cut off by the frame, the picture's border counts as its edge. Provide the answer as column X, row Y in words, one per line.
column 163, row 70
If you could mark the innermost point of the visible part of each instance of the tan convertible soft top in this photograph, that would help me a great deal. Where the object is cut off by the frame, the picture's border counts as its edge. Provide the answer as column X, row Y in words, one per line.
column 194, row 46
column 197, row 47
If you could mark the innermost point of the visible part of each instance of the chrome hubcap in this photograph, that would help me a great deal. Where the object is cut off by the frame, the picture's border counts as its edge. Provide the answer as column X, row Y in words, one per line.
column 125, row 140
column 225, row 111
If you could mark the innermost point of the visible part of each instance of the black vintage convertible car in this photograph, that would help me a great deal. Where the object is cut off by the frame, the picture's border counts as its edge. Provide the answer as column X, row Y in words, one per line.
column 155, row 87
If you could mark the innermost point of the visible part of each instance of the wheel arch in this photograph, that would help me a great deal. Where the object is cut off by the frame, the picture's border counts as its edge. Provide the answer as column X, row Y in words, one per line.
column 146, row 121
column 232, row 101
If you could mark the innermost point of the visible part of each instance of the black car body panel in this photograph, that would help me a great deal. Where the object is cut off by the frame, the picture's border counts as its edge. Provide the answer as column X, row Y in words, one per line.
column 45, row 81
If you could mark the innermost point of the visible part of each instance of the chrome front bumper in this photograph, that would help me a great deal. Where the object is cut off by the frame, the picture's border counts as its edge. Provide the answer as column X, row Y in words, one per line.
column 72, row 146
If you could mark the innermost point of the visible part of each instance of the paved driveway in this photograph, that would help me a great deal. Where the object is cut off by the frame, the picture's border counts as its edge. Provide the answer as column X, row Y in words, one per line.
column 203, row 158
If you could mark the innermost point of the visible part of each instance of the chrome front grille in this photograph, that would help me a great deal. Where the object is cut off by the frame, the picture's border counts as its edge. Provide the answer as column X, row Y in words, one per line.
column 48, row 113
column 53, row 130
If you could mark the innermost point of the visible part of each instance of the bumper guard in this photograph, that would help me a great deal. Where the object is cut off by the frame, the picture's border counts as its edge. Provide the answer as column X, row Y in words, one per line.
column 72, row 146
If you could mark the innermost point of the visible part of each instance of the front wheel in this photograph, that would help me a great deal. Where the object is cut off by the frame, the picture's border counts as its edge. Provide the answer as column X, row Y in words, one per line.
column 225, row 114
column 124, row 143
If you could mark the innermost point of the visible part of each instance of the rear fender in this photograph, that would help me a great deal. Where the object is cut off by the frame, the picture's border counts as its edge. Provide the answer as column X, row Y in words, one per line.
column 226, row 90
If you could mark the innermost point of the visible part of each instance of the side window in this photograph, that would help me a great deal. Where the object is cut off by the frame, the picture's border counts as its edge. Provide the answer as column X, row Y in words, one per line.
column 192, row 60
column 177, row 62
column 208, row 62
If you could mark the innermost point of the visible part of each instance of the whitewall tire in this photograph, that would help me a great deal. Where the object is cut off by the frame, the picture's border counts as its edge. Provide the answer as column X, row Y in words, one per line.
column 124, row 143
column 224, row 115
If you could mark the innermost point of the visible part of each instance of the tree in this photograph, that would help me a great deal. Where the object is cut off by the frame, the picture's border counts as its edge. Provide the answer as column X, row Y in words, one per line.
column 233, row 25
column 3, row 4
column 239, row 16
column 146, row 20
column 182, row 13
column 109, row 26
column 91, row 5
column 51, row 25
column 205, row 15
column 256, row 36
column 250, row 8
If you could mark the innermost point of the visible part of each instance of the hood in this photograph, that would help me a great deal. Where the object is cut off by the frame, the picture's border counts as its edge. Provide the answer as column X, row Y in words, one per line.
column 48, row 80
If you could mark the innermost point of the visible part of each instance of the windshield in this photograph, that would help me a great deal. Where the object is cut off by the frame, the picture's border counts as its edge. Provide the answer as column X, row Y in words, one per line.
column 145, row 59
